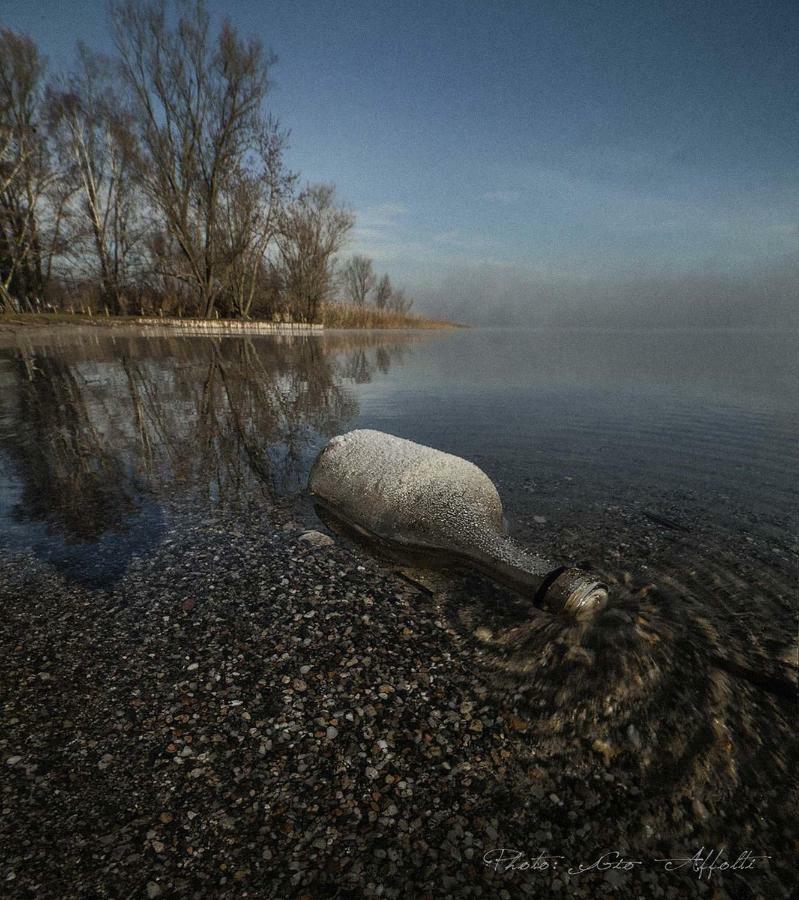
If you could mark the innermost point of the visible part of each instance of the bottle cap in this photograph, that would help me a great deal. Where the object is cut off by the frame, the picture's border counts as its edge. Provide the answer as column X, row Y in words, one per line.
column 576, row 593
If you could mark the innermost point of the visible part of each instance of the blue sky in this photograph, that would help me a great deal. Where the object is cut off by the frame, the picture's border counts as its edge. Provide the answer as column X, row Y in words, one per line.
column 562, row 142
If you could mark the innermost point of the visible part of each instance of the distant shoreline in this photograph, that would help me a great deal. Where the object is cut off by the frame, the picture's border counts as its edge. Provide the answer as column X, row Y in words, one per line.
column 334, row 318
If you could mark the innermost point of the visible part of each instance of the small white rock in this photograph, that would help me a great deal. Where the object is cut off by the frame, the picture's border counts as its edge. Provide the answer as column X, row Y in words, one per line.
column 316, row 539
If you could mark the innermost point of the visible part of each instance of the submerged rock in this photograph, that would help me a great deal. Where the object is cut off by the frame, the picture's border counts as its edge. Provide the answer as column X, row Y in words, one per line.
column 423, row 499
column 316, row 539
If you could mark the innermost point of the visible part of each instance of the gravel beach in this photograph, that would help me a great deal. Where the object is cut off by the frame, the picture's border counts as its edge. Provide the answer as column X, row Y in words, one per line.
column 255, row 711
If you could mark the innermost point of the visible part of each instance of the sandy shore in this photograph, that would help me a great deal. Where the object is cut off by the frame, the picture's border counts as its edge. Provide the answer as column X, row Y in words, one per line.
column 247, row 714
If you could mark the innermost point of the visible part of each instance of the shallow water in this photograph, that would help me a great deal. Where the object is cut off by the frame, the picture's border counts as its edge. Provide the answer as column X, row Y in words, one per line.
column 621, row 447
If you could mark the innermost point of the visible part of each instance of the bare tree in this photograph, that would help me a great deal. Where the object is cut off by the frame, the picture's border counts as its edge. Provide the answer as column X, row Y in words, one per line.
column 25, row 171
column 383, row 292
column 390, row 298
column 359, row 279
column 196, row 104
column 252, row 208
column 96, row 151
column 312, row 230
column 398, row 302
column 156, row 182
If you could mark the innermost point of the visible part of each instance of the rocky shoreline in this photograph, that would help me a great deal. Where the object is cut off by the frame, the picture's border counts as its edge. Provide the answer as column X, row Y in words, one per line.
column 251, row 711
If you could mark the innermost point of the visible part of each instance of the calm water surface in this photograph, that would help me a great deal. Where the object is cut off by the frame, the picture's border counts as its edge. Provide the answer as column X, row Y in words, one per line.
column 648, row 454
column 664, row 461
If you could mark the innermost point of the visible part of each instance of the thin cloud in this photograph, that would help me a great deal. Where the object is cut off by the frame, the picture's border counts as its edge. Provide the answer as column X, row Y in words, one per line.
column 452, row 237
column 385, row 215
column 502, row 196
column 388, row 233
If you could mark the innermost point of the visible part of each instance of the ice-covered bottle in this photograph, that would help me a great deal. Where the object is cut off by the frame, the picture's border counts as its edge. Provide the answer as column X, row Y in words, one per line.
column 421, row 499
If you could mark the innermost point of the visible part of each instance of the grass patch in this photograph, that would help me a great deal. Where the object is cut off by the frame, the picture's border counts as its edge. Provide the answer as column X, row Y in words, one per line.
column 341, row 315
column 57, row 318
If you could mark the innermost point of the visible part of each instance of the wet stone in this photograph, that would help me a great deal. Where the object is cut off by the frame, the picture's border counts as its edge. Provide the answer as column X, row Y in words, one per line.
column 316, row 539
column 312, row 754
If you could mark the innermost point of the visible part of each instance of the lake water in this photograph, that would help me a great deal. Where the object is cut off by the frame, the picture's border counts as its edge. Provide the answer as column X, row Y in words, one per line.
column 650, row 455
column 666, row 462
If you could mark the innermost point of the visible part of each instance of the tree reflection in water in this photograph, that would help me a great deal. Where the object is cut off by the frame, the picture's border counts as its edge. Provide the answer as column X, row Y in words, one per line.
column 97, row 433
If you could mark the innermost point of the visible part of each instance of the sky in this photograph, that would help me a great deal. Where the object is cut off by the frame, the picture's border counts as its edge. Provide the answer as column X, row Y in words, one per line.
column 553, row 160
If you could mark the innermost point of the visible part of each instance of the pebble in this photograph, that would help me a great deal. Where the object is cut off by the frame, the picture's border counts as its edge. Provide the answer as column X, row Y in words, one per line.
column 243, row 780
column 699, row 809
column 316, row 539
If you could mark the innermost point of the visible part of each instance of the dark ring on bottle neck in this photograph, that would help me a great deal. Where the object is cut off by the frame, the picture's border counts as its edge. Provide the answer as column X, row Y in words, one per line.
column 575, row 593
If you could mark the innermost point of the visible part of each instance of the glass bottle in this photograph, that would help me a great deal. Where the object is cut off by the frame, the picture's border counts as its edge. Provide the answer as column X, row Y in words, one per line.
column 426, row 501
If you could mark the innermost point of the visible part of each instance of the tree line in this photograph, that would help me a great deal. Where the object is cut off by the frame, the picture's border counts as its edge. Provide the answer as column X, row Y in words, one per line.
column 154, row 181
column 362, row 286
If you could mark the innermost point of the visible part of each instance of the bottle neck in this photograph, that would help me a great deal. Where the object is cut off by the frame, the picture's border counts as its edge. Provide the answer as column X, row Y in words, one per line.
column 501, row 558
column 555, row 587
